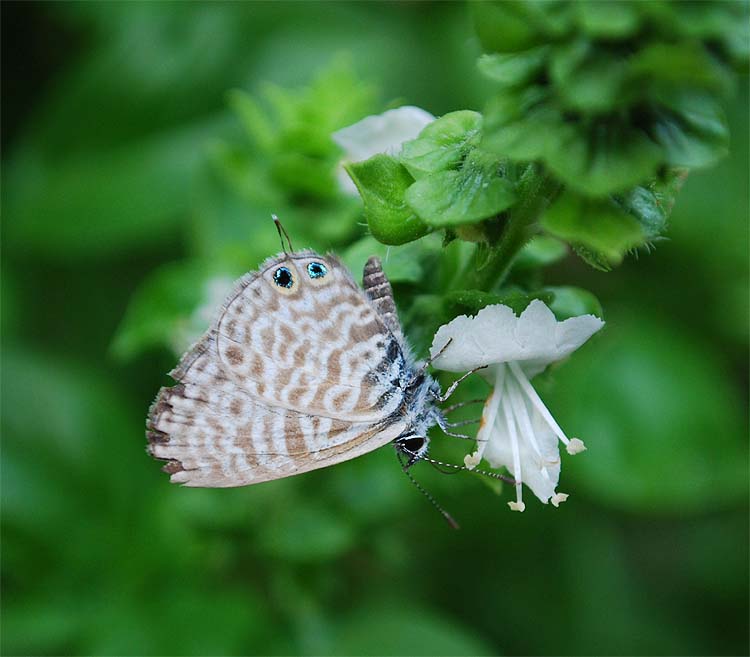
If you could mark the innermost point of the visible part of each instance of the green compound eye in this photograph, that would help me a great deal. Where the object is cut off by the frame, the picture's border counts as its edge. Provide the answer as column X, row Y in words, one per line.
column 283, row 277
column 316, row 270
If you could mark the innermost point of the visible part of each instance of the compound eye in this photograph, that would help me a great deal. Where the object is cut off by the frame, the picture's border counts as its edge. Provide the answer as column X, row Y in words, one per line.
column 283, row 278
column 413, row 445
column 316, row 270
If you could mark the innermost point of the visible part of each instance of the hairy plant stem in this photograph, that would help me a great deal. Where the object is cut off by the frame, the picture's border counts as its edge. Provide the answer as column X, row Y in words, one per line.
column 536, row 190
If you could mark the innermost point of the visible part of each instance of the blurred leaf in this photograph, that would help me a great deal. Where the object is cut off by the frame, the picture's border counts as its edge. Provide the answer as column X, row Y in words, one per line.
column 540, row 251
column 588, row 79
column 94, row 206
column 402, row 264
column 614, row 19
column 161, row 308
column 599, row 226
column 472, row 301
column 646, row 398
column 382, row 182
column 514, row 25
column 515, row 68
column 451, row 198
column 692, row 131
column 568, row 301
column 442, row 144
column 394, row 628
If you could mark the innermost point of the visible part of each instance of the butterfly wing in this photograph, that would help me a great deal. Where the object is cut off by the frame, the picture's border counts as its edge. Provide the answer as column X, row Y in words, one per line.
column 287, row 379
column 215, row 435
column 319, row 347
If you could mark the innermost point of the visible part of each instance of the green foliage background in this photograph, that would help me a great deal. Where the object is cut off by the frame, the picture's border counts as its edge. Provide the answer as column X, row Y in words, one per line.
column 128, row 170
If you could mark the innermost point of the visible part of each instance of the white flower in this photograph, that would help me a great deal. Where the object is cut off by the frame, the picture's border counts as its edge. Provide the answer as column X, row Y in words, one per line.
column 382, row 133
column 517, row 430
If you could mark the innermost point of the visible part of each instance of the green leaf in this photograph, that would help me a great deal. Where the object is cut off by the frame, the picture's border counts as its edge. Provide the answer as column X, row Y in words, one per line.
column 598, row 226
column 596, row 159
column 442, row 144
column 614, row 19
column 470, row 302
column 382, row 183
column 664, row 68
column 589, row 79
column 515, row 68
column 160, row 310
column 401, row 264
column 568, row 301
column 452, row 198
column 651, row 205
column 603, row 159
column 692, row 131
column 540, row 251
column 514, row 25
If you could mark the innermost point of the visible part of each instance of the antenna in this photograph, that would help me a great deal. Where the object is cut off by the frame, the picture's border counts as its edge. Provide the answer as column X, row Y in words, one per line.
column 447, row 516
column 282, row 234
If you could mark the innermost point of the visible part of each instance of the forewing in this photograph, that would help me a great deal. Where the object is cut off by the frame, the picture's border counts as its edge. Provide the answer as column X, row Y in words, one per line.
column 216, row 435
column 320, row 348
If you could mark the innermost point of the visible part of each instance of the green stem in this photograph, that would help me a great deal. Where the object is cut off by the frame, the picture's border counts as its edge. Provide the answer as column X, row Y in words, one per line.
column 536, row 189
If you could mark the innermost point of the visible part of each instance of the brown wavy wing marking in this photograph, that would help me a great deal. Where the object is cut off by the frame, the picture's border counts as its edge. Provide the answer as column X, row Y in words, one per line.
column 319, row 347
column 215, row 435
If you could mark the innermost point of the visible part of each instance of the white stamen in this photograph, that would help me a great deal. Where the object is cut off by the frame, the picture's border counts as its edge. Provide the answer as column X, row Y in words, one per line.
column 493, row 403
column 536, row 400
column 558, row 498
column 471, row 461
column 524, row 423
column 508, row 411
column 575, row 446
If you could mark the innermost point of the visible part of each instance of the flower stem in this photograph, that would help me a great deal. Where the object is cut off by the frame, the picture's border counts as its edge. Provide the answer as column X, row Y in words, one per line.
column 536, row 189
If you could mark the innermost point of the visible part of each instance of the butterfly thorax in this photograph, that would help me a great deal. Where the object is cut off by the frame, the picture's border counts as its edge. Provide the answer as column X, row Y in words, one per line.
column 419, row 409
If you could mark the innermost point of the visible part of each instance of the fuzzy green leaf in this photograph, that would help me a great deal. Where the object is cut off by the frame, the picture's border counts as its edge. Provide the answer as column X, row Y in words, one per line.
column 382, row 182
column 442, row 144
column 452, row 198
column 600, row 227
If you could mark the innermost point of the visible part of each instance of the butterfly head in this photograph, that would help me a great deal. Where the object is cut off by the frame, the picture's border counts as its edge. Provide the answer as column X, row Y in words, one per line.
column 413, row 447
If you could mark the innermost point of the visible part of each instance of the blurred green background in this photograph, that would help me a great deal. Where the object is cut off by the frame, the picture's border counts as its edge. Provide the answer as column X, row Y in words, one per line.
column 123, row 164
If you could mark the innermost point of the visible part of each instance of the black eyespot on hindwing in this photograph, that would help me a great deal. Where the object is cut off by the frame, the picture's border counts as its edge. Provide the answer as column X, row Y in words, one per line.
column 316, row 270
column 283, row 277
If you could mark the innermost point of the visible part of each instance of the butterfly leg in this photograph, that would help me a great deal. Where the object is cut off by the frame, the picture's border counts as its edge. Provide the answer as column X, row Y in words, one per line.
column 454, row 385
column 454, row 407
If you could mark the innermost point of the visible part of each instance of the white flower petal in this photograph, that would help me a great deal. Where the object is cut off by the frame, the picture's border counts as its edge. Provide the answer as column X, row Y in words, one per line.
column 535, row 331
column 487, row 338
column 383, row 133
column 573, row 332
column 496, row 335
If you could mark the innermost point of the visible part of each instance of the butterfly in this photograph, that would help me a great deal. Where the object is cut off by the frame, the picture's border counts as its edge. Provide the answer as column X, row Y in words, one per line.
column 299, row 370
